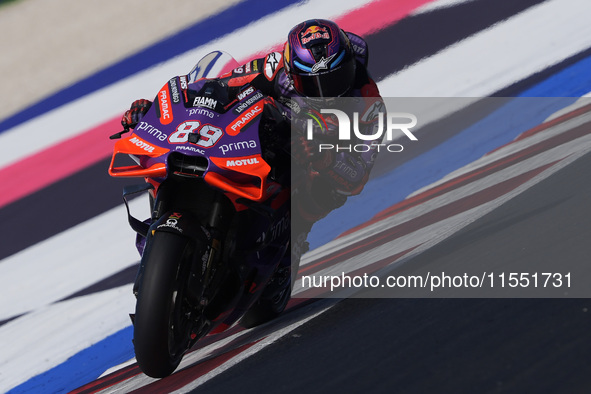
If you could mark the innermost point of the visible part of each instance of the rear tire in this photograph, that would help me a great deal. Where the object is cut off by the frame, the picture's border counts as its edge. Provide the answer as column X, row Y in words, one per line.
column 266, row 309
column 160, row 334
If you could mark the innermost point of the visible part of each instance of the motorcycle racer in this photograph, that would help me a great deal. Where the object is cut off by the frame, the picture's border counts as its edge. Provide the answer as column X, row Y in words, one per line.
column 319, row 60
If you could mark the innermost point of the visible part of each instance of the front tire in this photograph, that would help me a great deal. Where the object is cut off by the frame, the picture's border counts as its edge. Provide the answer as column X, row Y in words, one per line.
column 161, row 331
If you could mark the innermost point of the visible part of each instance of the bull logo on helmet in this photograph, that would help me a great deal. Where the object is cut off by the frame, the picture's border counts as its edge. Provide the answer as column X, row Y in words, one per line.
column 314, row 33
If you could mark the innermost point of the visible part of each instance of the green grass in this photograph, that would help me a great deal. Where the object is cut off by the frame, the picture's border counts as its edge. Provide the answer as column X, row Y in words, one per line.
column 4, row 2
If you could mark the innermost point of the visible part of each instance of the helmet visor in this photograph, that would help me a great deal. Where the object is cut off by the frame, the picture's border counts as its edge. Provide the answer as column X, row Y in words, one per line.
column 333, row 83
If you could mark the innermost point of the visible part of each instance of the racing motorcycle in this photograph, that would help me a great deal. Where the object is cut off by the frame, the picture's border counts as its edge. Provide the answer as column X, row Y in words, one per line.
column 216, row 167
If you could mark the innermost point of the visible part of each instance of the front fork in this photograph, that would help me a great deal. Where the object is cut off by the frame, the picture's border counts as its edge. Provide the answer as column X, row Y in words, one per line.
column 181, row 222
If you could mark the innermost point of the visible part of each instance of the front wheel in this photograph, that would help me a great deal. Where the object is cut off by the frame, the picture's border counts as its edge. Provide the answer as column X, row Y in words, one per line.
column 161, row 328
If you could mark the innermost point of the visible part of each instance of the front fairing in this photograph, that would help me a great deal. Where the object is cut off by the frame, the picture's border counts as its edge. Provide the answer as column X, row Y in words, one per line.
column 221, row 140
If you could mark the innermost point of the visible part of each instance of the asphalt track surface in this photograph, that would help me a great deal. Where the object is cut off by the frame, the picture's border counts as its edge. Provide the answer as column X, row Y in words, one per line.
column 452, row 345
column 435, row 344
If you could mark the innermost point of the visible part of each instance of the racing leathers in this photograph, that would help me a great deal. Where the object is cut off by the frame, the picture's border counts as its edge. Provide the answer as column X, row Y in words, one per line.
column 333, row 171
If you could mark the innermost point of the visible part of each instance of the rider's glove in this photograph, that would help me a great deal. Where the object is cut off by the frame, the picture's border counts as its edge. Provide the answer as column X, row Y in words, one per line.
column 135, row 113
column 349, row 174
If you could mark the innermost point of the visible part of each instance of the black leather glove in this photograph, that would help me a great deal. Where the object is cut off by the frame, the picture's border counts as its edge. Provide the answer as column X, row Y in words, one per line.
column 135, row 113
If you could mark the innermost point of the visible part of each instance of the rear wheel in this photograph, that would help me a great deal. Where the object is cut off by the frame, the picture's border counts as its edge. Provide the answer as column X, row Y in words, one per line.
column 162, row 327
column 269, row 306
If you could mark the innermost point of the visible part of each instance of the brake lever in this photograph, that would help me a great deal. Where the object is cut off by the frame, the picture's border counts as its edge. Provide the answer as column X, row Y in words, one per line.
column 118, row 135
